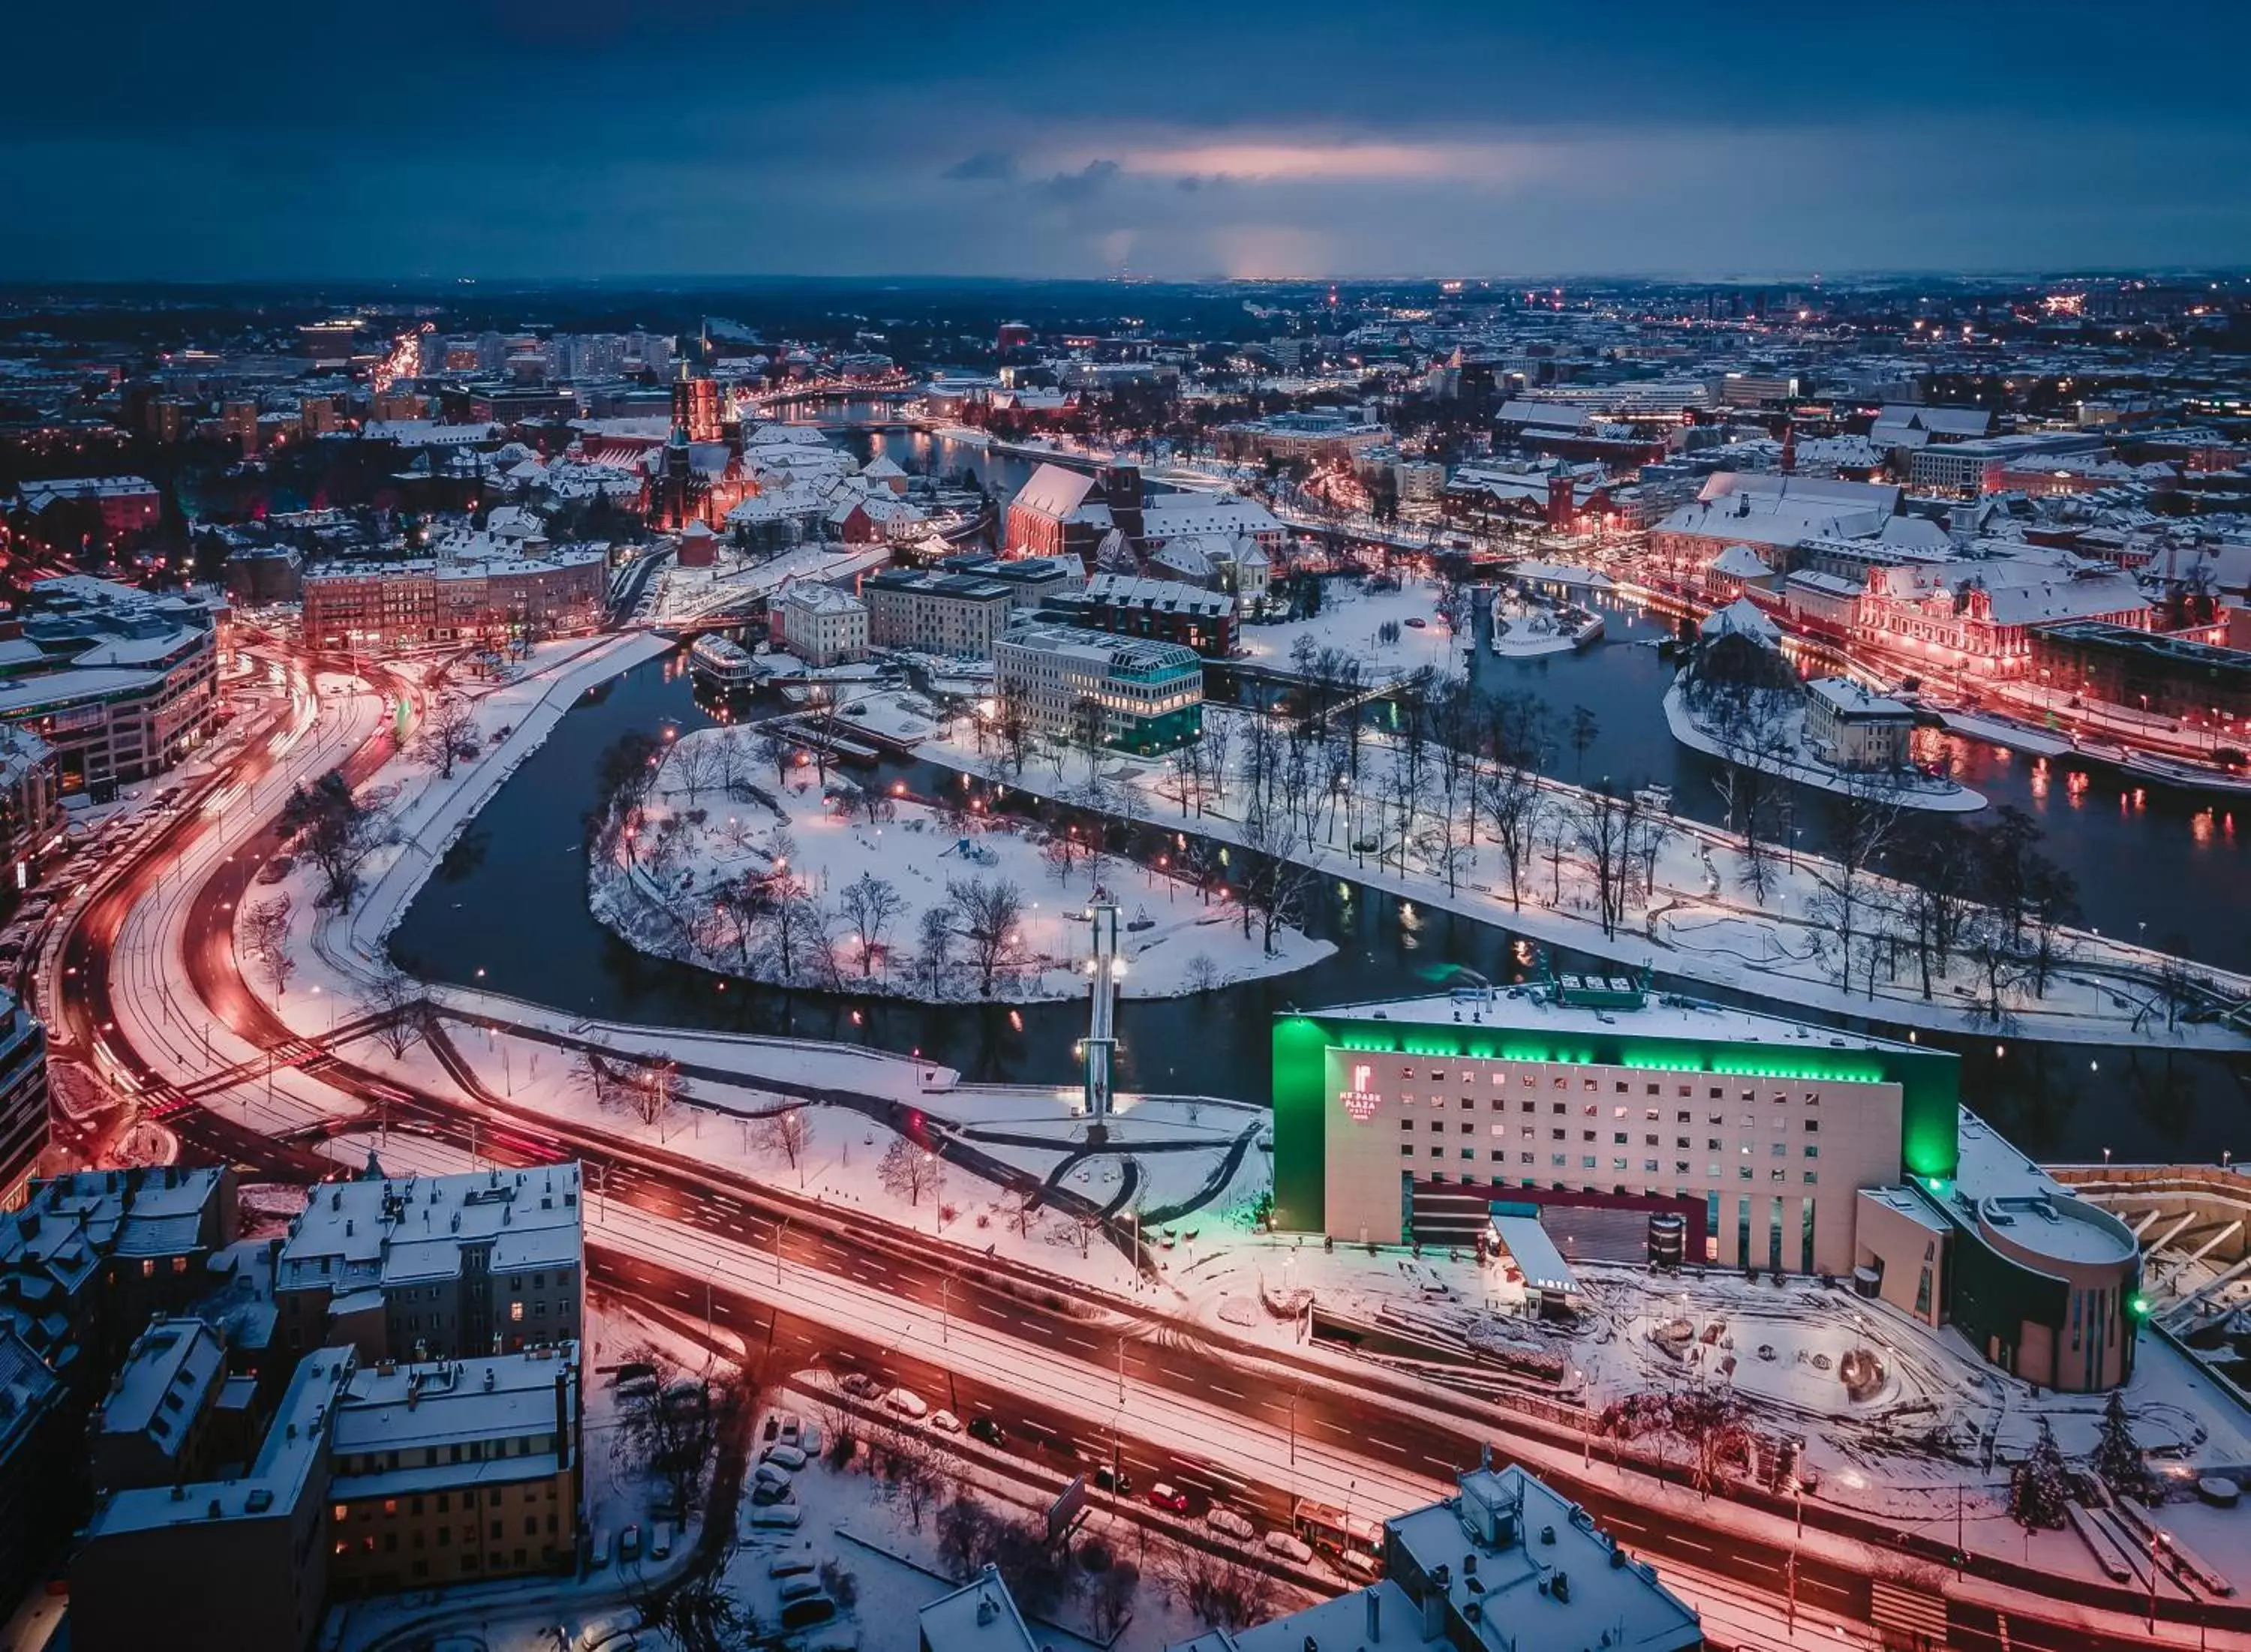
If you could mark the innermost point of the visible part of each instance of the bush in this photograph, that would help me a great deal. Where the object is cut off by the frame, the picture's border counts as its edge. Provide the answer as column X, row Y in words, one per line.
column 843, row 1586
column 1094, row 1555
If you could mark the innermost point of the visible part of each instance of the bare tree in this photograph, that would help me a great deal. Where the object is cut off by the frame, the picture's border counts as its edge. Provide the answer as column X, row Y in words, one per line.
column 934, row 948
column 695, row 765
column 1513, row 805
column 266, row 934
column 787, row 1132
column 908, row 1171
column 1220, row 1590
column 870, row 904
column 775, row 747
column 989, row 919
column 449, row 733
column 671, row 1426
column 655, row 1091
column 398, row 997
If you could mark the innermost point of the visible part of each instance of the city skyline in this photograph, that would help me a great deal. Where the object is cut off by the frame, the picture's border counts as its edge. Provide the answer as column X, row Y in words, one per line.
column 1308, row 143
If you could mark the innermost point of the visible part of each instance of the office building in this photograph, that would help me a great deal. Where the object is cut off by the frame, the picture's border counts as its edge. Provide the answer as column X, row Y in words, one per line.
column 119, row 684
column 474, row 590
column 1145, row 697
column 1855, row 728
column 23, row 1098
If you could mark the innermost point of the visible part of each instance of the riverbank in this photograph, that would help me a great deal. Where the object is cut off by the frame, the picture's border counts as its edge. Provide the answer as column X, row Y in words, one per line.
column 1906, row 791
column 795, row 883
column 1710, row 914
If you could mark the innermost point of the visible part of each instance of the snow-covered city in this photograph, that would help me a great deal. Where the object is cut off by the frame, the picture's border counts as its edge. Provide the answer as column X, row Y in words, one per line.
column 1097, row 957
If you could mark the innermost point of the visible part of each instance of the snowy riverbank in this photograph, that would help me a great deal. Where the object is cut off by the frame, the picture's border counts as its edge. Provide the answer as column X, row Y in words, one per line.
column 800, row 883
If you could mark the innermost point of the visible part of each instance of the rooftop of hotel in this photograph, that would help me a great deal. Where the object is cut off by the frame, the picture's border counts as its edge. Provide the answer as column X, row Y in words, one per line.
column 2013, row 1200
column 1544, row 1009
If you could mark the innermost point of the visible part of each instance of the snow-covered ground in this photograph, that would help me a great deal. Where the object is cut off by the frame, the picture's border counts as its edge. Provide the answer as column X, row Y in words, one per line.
column 666, row 889
column 1702, row 916
column 681, row 594
column 1792, row 758
column 1355, row 622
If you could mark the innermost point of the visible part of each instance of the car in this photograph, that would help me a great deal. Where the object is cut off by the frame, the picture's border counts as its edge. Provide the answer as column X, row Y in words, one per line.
column 598, row 1554
column 660, row 1540
column 792, row 1426
column 629, row 1543
column 1165, row 1497
column 907, row 1403
column 1283, row 1547
column 789, row 1565
column 1115, row 1480
column 805, row 1615
column 860, row 1386
column 1415, row 622
column 809, row 1441
column 782, row 1455
column 945, row 1422
column 987, row 1430
column 781, row 1517
column 800, row 1587
column 607, row 1626
column 1229, row 1524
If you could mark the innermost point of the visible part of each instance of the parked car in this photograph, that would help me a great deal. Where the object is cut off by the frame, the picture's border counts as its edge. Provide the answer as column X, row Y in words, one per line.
column 790, row 1565
column 782, row 1517
column 907, row 1403
column 860, row 1386
column 660, row 1540
column 792, row 1426
column 1115, row 1480
column 606, row 1626
column 782, row 1455
column 798, row 1589
column 629, row 1543
column 945, row 1422
column 1284, row 1546
column 1164, row 1496
column 985, row 1429
column 803, row 1615
column 1229, row 1524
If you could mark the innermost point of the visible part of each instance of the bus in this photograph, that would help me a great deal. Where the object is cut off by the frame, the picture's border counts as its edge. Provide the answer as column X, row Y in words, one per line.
column 1353, row 1541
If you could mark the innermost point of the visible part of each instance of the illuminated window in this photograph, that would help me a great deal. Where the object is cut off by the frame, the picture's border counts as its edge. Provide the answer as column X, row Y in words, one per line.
column 515, row 1309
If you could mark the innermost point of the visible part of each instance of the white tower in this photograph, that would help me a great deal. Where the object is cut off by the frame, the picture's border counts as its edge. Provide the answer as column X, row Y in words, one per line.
column 1104, row 966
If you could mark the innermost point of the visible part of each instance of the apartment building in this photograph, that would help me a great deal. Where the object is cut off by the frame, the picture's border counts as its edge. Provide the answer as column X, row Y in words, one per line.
column 371, row 1478
column 23, row 1098
column 937, row 613
column 434, row 1267
column 459, row 599
column 820, row 625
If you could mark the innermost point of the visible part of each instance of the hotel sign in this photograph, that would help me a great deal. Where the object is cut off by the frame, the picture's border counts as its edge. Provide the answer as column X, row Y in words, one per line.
column 1359, row 1102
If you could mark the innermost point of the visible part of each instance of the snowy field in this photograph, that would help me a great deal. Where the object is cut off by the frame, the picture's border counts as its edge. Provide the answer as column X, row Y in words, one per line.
column 1354, row 621
column 871, row 873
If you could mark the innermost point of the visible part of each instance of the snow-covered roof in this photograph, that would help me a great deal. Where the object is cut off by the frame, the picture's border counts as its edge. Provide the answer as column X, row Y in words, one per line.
column 1670, row 1016
column 1740, row 561
column 352, row 1225
column 1739, row 618
column 1054, row 490
column 1168, row 515
column 1854, row 703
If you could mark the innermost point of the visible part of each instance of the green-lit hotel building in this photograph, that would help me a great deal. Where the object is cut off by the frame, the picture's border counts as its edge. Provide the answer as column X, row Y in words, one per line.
column 1595, row 1106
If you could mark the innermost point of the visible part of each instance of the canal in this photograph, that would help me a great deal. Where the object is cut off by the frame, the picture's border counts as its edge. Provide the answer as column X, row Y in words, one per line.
column 507, row 910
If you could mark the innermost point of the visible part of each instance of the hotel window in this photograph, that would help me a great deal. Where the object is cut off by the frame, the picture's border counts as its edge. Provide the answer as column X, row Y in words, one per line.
column 1558, row 1160
column 1812, row 1151
column 1619, row 1138
column 1649, row 1141
column 1810, row 1178
column 1621, row 1087
column 1469, row 1153
column 1500, row 1129
column 1617, row 1163
column 1587, row 1162
column 1529, row 1132
column 1682, row 1116
column 1559, row 1081
column 1743, row 1174
column 1558, row 1109
column 1716, row 1093
column 1649, row 1167
column 1780, row 1149
column 1468, row 1125
column 1530, row 1082
column 1524, row 1158
column 1406, row 1149
column 1648, row 1116
column 1499, row 1079
column 1406, row 1123
column 1777, row 1175
column 1437, row 1151
column 1681, row 1167
column 1621, row 1112
column 1812, row 1124
column 1588, row 1084
column 1590, row 1112
column 1586, row 1135
column 1652, row 1090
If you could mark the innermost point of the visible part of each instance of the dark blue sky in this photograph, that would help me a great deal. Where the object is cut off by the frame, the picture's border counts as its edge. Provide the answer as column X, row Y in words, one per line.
column 574, row 138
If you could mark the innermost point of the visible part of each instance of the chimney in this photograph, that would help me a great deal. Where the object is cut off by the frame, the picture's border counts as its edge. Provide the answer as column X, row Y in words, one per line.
column 1375, row 1615
column 1434, row 1603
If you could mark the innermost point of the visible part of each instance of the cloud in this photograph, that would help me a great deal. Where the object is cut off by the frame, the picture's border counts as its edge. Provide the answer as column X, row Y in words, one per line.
column 1075, row 188
column 994, row 164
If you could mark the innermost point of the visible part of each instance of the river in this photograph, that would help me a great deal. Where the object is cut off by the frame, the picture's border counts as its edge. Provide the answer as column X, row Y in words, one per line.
column 507, row 910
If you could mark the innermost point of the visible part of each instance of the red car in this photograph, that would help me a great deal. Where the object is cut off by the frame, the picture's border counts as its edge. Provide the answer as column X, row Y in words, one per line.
column 1164, row 1496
